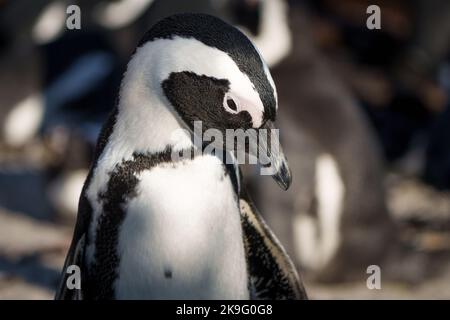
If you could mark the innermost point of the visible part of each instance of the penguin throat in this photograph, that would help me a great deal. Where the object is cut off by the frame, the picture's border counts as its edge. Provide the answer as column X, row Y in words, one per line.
column 146, row 122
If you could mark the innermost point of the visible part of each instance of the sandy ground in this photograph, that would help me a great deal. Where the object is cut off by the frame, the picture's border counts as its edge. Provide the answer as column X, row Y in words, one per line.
column 31, row 256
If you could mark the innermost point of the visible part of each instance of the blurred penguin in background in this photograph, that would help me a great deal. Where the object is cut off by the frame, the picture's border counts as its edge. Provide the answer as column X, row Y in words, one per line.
column 79, row 72
column 334, row 219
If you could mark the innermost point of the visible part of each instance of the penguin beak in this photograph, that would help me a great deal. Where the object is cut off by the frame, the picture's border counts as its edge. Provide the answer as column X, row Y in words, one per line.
column 283, row 174
column 270, row 156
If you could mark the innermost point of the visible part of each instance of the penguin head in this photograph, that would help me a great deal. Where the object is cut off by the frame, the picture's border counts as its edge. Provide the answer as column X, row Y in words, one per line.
column 207, row 70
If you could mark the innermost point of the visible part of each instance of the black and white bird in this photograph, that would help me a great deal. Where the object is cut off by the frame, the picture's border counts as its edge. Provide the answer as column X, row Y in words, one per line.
column 150, row 227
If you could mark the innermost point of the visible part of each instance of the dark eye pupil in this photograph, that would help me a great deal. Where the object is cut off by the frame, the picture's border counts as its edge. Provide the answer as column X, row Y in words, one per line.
column 231, row 104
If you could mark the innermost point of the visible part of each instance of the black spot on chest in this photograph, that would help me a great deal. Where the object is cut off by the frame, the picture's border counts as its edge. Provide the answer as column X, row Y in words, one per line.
column 167, row 273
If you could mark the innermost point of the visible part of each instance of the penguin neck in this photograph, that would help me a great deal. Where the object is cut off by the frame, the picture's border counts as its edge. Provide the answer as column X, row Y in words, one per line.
column 146, row 125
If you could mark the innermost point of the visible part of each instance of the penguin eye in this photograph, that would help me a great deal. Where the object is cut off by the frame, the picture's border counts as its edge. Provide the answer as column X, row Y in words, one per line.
column 230, row 104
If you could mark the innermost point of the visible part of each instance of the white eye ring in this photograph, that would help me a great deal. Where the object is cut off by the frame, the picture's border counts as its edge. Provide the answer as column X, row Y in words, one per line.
column 231, row 103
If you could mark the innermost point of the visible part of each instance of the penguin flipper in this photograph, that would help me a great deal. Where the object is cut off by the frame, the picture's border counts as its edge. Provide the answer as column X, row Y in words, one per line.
column 74, row 257
column 76, row 252
column 77, row 249
column 272, row 274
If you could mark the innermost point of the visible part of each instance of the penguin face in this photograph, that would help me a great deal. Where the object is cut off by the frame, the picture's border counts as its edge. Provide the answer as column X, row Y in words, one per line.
column 213, row 101
column 209, row 71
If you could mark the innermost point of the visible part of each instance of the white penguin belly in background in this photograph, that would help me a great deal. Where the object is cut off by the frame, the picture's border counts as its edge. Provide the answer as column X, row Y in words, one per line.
column 182, row 235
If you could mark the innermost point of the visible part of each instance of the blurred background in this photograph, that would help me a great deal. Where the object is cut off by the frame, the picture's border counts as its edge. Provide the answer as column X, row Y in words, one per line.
column 364, row 118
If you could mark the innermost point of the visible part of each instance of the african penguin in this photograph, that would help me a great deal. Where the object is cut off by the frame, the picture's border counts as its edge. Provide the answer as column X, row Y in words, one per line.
column 150, row 227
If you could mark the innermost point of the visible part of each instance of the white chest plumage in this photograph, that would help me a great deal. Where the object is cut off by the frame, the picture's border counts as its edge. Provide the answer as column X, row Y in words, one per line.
column 182, row 235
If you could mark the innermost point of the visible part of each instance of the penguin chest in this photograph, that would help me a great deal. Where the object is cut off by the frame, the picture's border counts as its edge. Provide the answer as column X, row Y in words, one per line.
column 182, row 235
